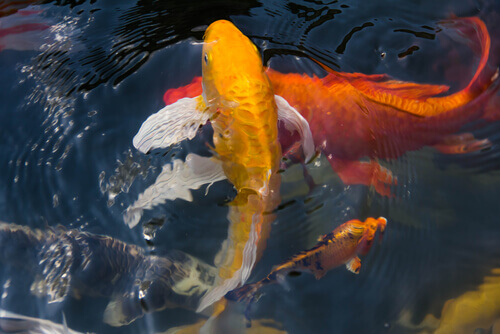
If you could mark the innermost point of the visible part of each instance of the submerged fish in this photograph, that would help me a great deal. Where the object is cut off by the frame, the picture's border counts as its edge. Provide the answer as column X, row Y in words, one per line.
column 238, row 100
column 23, row 29
column 476, row 311
column 353, row 116
column 12, row 7
column 68, row 263
column 342, row 246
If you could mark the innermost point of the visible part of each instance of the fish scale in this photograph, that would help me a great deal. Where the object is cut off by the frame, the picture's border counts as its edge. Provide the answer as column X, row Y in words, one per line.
column 249, row 129
column 238, row 94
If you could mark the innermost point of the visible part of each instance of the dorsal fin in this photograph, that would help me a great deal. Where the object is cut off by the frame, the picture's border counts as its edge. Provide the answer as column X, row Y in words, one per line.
column 405, row 96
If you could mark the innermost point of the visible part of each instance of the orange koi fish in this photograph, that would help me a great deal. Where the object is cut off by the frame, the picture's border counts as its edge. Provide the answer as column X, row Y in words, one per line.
column 342, row 246
column 356, row 116
column 238, row 100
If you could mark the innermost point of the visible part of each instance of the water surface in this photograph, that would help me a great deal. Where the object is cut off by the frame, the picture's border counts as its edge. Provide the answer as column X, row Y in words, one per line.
column 80, row 77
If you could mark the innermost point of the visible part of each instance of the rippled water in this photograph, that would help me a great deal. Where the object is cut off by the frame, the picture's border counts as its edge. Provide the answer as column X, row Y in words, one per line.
column 78, row 78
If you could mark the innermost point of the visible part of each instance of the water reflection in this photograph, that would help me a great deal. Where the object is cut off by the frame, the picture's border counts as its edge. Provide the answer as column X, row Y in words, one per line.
column 76, row 90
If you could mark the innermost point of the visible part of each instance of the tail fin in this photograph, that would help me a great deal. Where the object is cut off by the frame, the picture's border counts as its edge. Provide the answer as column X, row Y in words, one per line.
column 478, row 39
column 474, row 31
column 247, row 294
column 421, row 100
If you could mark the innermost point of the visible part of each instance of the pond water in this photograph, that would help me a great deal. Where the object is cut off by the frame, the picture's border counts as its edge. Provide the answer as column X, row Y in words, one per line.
column 78, row 78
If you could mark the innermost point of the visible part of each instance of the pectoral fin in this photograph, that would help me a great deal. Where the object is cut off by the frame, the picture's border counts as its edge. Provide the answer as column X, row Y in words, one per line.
column 319, row 273
column 369, row 173
column 172, row 124
column 176, row 180
column 295, row 122
column 462, row 143
column 354, row 265
column 122, row 311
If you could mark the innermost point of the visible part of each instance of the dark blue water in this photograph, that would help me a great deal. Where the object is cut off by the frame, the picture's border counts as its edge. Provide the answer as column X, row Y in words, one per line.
column 74, row 93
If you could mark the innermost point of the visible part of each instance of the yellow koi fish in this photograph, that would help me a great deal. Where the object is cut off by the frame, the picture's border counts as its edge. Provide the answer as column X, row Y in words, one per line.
column 475, row 311
column 240, row 104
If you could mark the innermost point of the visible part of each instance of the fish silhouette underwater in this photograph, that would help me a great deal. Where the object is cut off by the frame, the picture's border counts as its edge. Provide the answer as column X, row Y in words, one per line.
column 476, row 311
column 23, row 29
column 357, row 119
column 69, row 263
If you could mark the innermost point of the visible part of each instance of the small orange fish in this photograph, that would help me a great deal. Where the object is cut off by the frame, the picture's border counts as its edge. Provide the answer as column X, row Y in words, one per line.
column 341, row 246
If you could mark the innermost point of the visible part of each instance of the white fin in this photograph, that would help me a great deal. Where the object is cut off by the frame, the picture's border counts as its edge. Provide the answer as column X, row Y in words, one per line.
column 281, row 279
column 65, row 324
column 114, row 316
column 354, row 265
column 239, row 277
column 293, row 120
column 172, row 124
column 16, row 323
column 175, row 181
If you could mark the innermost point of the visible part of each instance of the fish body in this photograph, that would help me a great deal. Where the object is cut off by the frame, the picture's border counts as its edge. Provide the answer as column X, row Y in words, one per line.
column 353, row 116
column 474, row 311
column 68, row 262
column 239, row 95
column 357, row 119
column 342, row 246
column 237, row 98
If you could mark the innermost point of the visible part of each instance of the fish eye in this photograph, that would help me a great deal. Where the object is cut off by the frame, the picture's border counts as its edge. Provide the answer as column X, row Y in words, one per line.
column 205, row 58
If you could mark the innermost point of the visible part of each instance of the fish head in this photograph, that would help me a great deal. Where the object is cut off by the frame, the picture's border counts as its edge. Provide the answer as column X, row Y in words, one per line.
column 354, row 228
column 230, row 61
column 371, row 227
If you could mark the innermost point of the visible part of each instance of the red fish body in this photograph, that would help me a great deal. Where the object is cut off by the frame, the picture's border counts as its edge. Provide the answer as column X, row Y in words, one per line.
column 354, row 116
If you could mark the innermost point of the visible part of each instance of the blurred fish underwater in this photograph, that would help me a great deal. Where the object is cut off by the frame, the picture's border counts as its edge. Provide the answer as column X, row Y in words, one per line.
column 382, row 109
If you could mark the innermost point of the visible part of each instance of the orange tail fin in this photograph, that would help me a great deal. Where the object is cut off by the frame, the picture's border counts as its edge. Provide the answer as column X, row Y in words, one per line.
column 419, row 99
column 476, row 33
